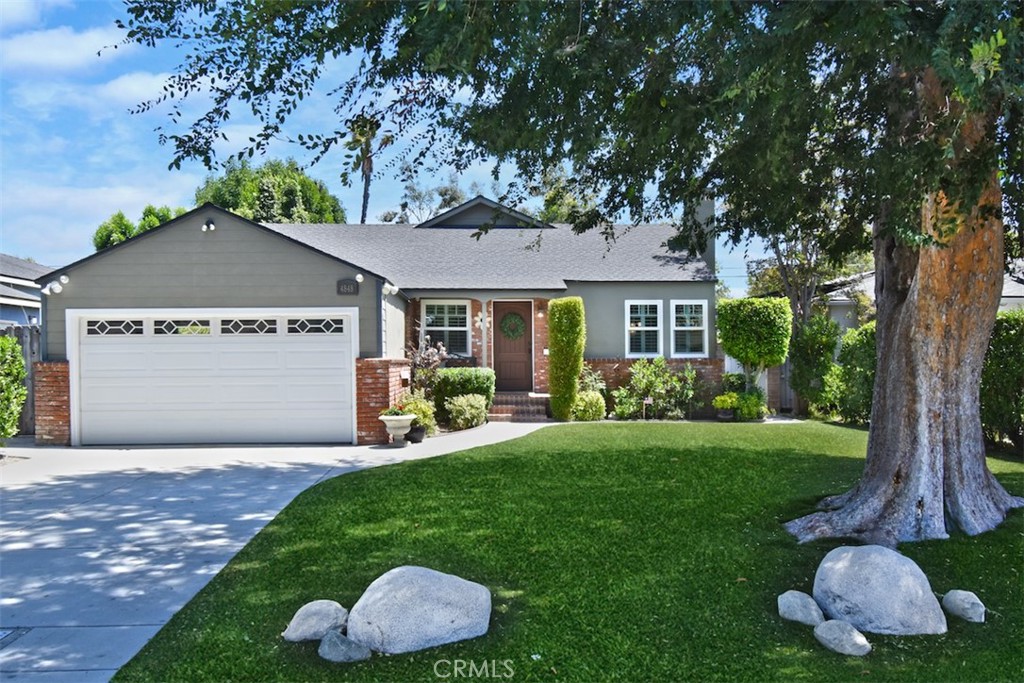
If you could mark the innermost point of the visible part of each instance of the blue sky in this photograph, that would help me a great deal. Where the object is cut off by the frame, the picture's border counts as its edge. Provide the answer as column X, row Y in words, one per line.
column 71, row 154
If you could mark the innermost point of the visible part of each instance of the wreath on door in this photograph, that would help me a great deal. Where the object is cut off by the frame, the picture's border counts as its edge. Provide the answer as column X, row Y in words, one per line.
column 512, row 326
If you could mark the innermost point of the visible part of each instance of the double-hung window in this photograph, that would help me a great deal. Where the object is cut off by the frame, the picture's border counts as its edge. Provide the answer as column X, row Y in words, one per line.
column 447, row 322
column 689, row 329
column 643, row 329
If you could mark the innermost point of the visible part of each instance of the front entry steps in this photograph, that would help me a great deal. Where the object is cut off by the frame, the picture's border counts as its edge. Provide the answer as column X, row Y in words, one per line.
column 519, row 406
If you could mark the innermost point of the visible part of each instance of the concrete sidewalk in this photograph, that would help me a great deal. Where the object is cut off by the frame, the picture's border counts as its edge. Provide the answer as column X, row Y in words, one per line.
column 99, row 547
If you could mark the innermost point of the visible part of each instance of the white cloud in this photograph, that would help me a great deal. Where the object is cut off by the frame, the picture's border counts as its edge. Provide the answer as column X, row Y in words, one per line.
column 16, row 13
column 60, row 49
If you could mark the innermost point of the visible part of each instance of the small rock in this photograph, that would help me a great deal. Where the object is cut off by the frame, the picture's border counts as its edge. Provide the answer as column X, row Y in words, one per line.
column 840, row 637
column 877, row 590
column 314, row 620
column 964, row 604
column 337, row 648
column 797, row 606
column 413, row 608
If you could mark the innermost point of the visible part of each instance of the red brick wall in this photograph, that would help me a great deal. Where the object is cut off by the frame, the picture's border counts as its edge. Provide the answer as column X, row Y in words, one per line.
column 379, row 382
column 52, row 403
column 540, row 342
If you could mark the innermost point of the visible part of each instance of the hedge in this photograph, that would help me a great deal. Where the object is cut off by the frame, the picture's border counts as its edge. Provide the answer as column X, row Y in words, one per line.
column 811, row 353
column 12, row 386
column 857, row 374
column 755, row 332
column 1002, row 381
column 452, row 382
column 567, row 336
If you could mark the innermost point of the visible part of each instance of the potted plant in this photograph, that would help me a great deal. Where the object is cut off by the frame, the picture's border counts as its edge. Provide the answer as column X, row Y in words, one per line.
column 397, row 420
column 726, row 405
column 425, row 424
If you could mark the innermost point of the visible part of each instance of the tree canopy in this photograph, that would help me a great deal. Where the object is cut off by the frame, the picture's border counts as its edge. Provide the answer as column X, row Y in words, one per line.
column 119, row 227
column 273, row 192
column 897, row 124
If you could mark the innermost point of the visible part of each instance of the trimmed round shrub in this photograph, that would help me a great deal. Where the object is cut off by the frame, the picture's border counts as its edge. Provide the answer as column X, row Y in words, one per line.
column 452, row 382
column 589, row 407
column 811, row 353
column 857, row 374
column 755, row 332
column 1002, row 381
column 12, row 386
column 466, row 411
column 567, row 337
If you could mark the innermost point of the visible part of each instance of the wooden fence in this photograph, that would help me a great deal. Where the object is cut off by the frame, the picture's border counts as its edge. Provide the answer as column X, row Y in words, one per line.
column 28, row 337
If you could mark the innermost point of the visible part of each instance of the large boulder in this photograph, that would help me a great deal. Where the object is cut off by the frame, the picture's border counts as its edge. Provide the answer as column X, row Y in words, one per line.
column 877, row 590
column 840, row 637
column 412, row 608
column 314, row 620
column 797, row 606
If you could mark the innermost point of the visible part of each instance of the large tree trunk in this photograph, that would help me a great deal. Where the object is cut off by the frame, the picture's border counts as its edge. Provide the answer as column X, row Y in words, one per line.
column 925, row 469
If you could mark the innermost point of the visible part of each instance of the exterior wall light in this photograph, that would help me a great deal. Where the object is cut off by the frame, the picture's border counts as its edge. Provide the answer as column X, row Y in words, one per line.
column 359, row 277
column 64, row 279
column 208, row 225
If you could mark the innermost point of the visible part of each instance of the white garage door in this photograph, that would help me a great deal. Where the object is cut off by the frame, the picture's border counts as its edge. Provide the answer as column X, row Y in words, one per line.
column 186, row 377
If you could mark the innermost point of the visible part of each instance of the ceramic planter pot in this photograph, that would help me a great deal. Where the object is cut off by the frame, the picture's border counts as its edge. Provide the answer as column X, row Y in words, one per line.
column 398, row 426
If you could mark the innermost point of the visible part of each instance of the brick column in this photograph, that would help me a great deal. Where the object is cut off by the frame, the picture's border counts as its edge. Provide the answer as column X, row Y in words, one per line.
column 379, row 383
column 540, row 342
column 52, row 403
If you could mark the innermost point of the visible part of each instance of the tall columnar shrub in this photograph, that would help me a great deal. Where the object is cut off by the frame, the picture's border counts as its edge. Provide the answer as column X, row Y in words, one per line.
column 755, row 332
column 452, row 382
column 1002, row 380
column 567, row 336
column 811, row 353
column 12, row 386
column 857, row 374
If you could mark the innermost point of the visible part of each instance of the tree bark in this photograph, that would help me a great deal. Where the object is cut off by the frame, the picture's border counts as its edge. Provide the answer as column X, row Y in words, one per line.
column 925, row 470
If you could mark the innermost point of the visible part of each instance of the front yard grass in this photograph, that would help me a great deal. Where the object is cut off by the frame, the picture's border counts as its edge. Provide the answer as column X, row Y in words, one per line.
column 634, row 552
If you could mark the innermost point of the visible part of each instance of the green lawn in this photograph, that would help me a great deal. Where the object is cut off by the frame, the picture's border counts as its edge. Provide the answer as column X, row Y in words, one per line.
column 634, row 552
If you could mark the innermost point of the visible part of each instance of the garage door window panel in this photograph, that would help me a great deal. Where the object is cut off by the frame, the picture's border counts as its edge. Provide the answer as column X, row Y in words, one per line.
column 114, row 328
column 186, row 328
column 255, row 326
column 316, row 326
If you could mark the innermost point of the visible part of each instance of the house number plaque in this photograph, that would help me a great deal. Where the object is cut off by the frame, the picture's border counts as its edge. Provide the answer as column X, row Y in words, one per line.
column 348, row 287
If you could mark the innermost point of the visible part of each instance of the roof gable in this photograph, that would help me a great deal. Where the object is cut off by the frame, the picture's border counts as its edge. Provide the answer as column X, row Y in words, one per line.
column 481, row 212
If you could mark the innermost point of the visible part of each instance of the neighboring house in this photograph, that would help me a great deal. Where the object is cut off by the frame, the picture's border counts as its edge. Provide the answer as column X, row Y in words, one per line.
column 211, row 328
column 19, row 293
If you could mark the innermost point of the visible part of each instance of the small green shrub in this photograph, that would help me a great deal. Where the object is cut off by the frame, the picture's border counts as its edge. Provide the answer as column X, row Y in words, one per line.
column 734, row 381
column 827, row 404
column 751, row 405
column 811, row 353
column 12, row 386
column 589, row 407
column 591, row 380
column 857, row 374
column 417, row 403
column 567, row 337
column 452, row 382
column 727, row 401
column 672, row 394
column 1002, row 381
column 466, row 411
column 755, row 332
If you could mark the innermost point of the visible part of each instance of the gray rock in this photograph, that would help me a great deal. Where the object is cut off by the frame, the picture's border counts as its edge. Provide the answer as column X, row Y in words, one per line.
column 412, row 608
column 337, row 648
column 314, row 620
column 877, row 590
column 797, row 606
column 964, row 604
column 840, row 637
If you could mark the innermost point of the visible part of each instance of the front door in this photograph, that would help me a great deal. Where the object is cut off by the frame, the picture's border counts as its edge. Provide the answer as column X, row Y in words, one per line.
column 512, row 328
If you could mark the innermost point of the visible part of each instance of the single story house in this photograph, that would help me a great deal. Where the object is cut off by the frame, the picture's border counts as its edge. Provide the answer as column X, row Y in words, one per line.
column 20, row 300
column 213, row 328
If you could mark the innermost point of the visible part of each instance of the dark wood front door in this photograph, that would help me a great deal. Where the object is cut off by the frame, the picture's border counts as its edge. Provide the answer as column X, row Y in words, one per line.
column 512, row 328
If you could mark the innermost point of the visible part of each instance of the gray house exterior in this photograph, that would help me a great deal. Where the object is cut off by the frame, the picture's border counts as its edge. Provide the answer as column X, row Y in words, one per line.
column 214, row 328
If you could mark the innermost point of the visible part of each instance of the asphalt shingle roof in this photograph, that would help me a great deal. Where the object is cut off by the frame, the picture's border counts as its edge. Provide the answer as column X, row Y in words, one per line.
column 12, row 293
column 12, row 266
column 414, row 257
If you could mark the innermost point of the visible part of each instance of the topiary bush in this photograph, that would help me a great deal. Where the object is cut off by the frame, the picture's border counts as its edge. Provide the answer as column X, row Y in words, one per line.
column 417, row 403
column 755, row 332
column 452, row 382
column 567, row 336
column 672, row 394
column 466, row 411
column 857, row 374
column 589, row 407
column 1002, row 381
column 811, row 354
column 12, row 386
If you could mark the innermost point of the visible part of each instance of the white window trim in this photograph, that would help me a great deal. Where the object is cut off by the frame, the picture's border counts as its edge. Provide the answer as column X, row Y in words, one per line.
column 449, row 302
column 661, row 317
column 703, row 328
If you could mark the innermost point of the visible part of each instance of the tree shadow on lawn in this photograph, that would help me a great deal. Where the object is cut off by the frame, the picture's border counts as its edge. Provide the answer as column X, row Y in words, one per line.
column 658, row 559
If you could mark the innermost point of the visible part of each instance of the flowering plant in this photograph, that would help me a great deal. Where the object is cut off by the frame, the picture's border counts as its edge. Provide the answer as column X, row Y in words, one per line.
column 396, row 409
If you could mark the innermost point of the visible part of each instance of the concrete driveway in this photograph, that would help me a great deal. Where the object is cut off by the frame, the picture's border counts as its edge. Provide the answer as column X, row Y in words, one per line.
column 99, row 547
